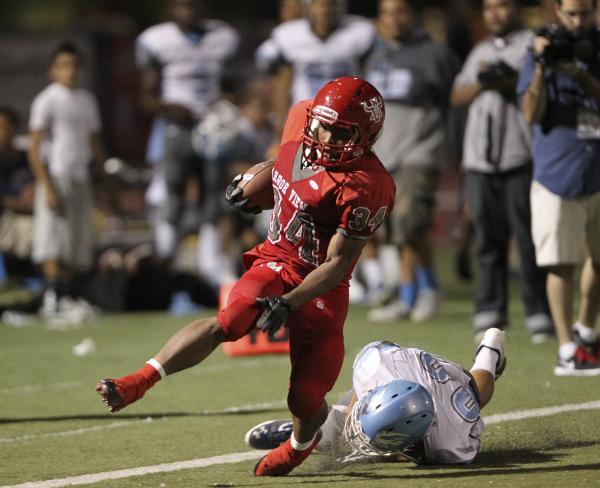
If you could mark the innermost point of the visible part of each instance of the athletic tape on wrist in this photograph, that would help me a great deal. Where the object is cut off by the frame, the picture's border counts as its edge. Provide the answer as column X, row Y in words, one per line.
column 157, row 366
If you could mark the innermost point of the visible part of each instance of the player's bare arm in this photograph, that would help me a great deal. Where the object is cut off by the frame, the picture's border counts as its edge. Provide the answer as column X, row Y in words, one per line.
column 341, row 254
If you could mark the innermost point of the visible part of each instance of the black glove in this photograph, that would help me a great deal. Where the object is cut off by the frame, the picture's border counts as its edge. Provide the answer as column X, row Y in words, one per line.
column 234, row 197
column 275, row 313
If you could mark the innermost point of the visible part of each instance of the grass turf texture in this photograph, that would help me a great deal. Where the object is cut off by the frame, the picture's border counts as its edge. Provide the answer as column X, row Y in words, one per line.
column 47, row 391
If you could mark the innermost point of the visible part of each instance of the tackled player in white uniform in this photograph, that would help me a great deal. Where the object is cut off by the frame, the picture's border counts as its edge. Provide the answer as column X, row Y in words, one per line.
column 406, row 405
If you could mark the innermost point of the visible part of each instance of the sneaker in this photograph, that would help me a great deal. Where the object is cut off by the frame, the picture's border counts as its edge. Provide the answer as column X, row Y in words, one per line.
column 283, row 459
column 269, row 434
column 115, row 395
column 68, row 313
column 495, row 339
column 581, row 364
column 427, row 305
column 592, row 348
column 397, row 310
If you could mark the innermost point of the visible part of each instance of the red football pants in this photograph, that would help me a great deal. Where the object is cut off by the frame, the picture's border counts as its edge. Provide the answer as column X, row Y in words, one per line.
column 315, row 330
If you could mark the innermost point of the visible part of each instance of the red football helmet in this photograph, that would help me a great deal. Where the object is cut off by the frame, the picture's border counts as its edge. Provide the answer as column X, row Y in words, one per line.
column 343, row 123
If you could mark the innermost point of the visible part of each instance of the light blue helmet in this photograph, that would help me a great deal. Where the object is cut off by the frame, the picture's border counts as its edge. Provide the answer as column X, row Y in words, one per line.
column 390, row 418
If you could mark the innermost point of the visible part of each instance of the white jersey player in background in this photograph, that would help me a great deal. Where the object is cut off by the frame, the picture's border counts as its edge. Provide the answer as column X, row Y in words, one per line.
column 182, row 65
column 305, row 53
column 407, row 405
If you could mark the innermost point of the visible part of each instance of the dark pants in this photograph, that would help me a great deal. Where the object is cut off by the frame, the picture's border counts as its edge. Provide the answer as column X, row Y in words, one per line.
column 500, row 207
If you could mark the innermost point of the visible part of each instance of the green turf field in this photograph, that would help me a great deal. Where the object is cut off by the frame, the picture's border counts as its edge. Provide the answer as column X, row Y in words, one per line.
column 52, row 424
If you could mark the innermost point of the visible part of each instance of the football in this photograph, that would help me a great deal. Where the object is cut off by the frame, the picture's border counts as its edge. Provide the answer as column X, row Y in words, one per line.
column 256, row 185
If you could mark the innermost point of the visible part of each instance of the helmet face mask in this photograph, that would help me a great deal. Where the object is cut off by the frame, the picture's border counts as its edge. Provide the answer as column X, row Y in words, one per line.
column 344, row 122
column 390, row 419
column 330, row 145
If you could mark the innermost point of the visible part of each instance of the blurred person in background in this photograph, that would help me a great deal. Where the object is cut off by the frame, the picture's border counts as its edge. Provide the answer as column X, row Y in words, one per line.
column 183, row 63
column 497, row 161
column 63, row 226
column 305, row 53
column 16, row 200
column 414, row 75
column 230, row 138
column 290, row 10
column 559, row 90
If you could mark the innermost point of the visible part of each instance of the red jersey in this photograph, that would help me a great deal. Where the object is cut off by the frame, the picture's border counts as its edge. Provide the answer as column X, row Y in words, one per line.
column 312, row 204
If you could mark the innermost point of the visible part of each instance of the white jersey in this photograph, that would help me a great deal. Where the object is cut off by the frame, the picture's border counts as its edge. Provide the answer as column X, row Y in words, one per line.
column 315, row 61
column 454, row 436
column 191, row 64
column 69, row 117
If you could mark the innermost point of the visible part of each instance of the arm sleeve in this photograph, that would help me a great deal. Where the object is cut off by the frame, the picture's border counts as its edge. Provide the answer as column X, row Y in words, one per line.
column 40, row 116
column 363, row 206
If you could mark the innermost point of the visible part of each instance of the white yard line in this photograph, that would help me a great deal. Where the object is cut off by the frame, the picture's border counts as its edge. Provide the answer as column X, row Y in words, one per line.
column 142, row 471
column 539, row 412
column 246, row 456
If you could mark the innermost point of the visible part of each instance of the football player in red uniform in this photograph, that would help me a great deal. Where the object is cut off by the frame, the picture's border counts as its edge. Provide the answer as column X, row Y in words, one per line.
column 331, row 193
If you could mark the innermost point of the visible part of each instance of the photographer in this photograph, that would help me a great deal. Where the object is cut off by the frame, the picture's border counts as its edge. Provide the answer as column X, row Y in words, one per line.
column 497, row 161
column 559, row 89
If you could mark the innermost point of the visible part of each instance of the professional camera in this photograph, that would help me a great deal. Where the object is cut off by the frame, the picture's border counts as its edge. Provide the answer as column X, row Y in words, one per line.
column 499, row 77
column 567, row 46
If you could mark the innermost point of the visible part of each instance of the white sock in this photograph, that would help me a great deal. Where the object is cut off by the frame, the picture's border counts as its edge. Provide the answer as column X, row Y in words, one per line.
column 487, row 360
column 300, row 446
column 567, row 350
column 372, row 273
column 588, row 334
column 158, row 367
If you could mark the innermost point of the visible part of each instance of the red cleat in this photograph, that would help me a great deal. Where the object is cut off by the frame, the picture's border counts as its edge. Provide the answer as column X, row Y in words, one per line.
column 281, row 460
column 119, row 393
column 115, row 395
